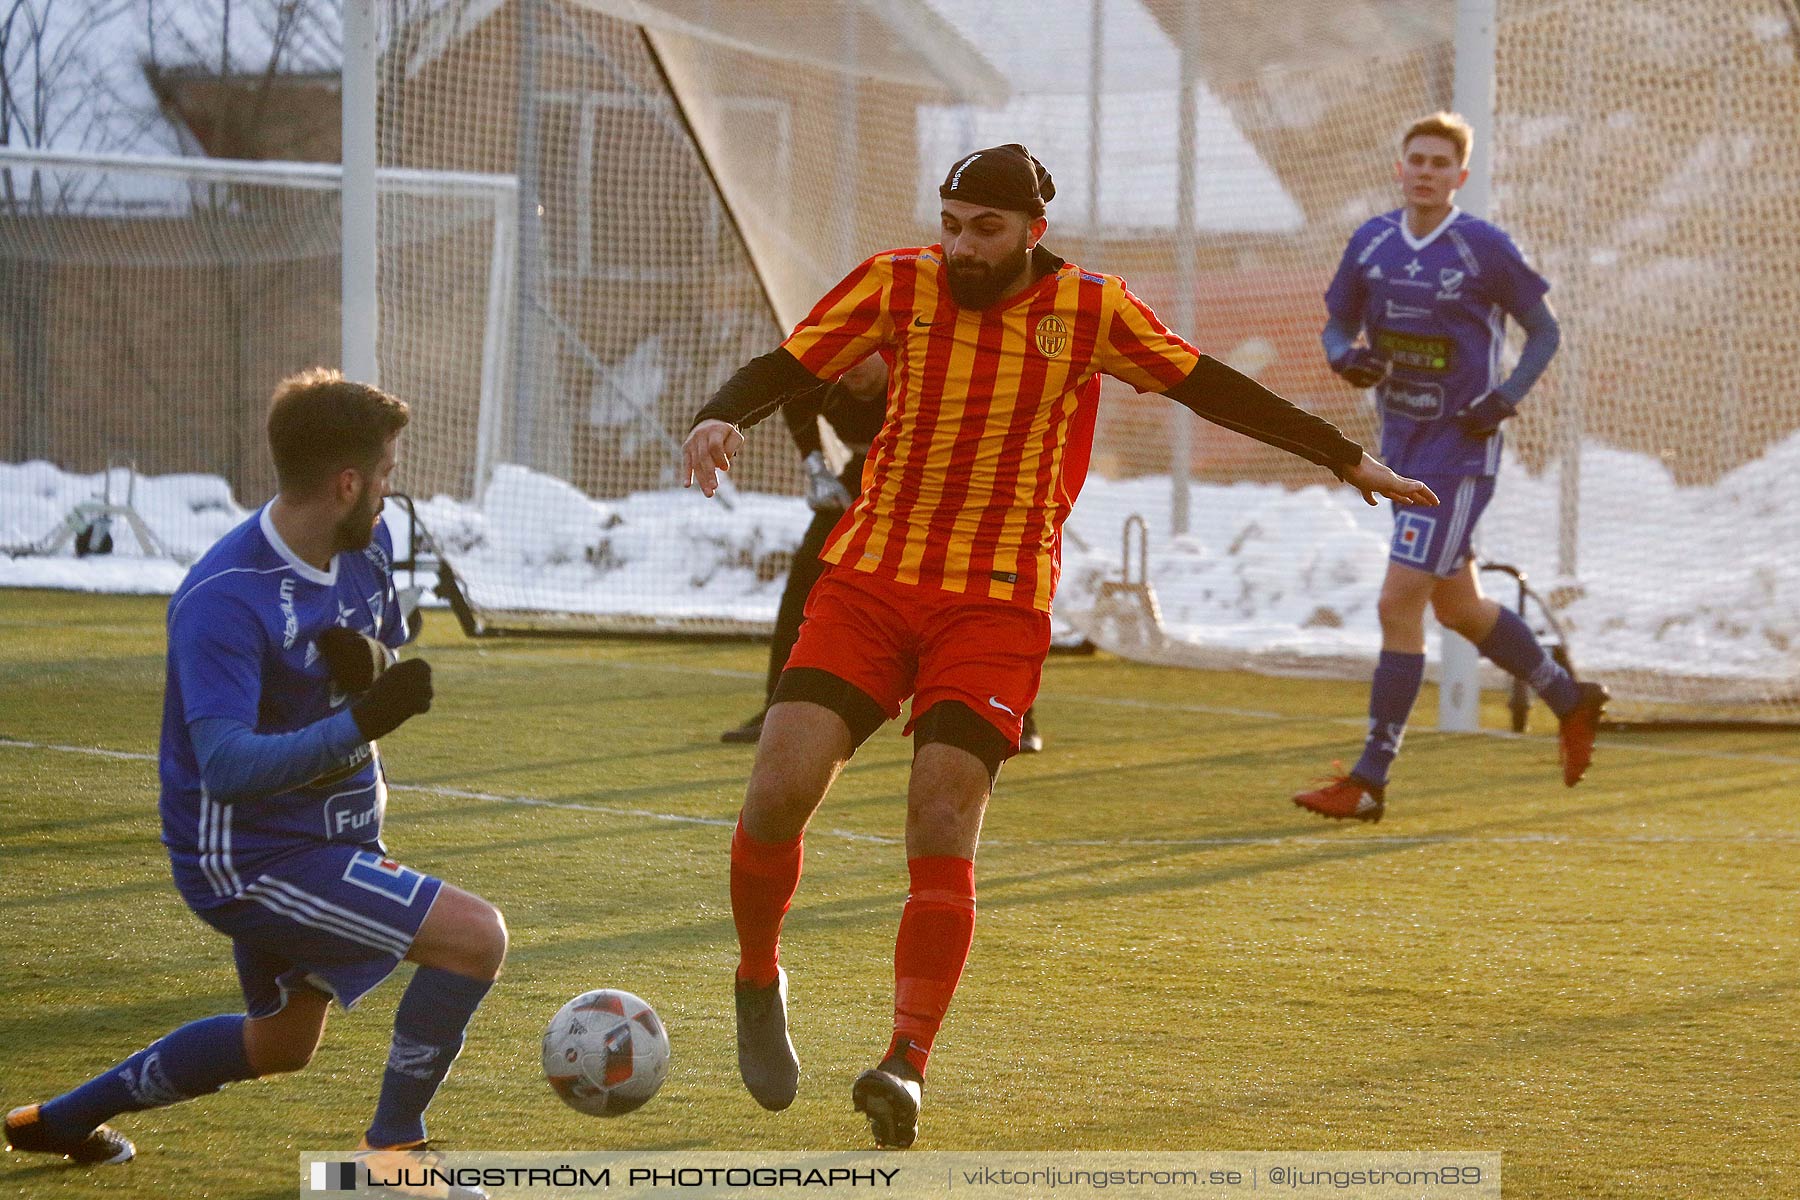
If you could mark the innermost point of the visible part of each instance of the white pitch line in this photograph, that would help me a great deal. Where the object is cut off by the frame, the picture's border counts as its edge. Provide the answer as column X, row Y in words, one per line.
column 91, row 751
column 1303, row 840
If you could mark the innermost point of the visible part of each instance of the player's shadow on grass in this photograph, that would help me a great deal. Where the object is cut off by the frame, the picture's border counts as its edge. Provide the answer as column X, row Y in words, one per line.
column 147, row 887
column 460, row 777
column 612, row 797
column 85, row 823
column 617, row 840
column 871, row 910
column 1531, row 1035
column 1355, row 845
column 24, row 1024
column 1308, row 756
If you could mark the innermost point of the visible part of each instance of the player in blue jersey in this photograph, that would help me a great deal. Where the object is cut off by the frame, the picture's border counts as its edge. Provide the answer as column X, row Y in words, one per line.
column 281, row 676
column 1417, row 311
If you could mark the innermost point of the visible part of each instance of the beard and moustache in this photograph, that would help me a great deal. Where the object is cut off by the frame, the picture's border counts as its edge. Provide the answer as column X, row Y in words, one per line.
column 978, row 284
column 357, row 529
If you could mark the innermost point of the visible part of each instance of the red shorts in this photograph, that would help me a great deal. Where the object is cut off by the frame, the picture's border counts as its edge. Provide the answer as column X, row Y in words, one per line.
column 894, row 640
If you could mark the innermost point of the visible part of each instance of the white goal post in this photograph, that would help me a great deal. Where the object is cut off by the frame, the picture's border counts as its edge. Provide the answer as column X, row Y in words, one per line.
column 92, row 189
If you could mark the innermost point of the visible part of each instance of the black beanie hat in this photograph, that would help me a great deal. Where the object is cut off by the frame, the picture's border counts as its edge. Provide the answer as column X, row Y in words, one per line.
column 1000, row 177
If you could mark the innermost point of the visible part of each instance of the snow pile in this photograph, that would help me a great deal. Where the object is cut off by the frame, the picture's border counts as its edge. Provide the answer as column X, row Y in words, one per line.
column 1701, row 582
column 1695, row 581
column 187, row 513
column 537, row 544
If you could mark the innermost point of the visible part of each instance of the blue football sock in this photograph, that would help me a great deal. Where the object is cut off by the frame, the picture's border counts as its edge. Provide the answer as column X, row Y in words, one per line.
column 199, row 1058
column 428, row 1035
column 1513, row 646
column 1395, row 687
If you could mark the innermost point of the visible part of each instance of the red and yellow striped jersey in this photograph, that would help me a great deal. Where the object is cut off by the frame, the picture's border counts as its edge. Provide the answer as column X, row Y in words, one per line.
column 990, row 416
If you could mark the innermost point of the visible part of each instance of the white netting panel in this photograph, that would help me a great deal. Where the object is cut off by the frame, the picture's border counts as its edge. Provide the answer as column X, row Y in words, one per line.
column 692, row 175
column 1649, row 157
column 1646, row 155
column 634, row 299
column 149, row 310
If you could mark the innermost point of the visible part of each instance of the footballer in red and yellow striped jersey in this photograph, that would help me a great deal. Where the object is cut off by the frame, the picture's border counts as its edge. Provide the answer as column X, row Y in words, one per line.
column 990, row 416
column 943, row 571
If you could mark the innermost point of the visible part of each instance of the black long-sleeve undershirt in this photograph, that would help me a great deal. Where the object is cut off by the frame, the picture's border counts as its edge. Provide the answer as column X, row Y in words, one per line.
column 801, row 412
column 760, row 387
column 1239, row 403
column 1212, row 389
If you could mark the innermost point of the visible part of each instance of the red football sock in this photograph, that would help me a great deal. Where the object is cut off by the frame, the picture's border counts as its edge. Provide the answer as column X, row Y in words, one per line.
column 937, row 927
column 764, row 877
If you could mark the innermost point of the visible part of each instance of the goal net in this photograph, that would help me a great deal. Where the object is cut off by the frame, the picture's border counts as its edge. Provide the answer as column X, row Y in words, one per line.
column 690, row 176
column 149, row 306
column 1646, row 153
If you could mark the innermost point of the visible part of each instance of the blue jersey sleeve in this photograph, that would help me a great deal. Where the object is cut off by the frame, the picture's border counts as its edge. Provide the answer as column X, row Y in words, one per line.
column 1512, row 282
column 215, row 652
column 236, row 763
column 1346, row 295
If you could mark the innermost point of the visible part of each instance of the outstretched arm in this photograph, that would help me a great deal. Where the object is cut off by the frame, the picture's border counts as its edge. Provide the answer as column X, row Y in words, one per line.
column 758, row 389
column 843, row 327
column 1234, row 400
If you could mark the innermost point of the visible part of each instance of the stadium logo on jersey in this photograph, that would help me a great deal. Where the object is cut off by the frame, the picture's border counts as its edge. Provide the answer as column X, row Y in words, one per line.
column 1450, row 283
column 1406, row 312
column 1052, row 336
column 290, row 620
column 1413, row 268
column 1412, row 537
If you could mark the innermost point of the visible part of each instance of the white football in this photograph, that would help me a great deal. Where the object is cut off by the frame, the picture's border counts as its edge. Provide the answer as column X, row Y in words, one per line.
column 605, row 1052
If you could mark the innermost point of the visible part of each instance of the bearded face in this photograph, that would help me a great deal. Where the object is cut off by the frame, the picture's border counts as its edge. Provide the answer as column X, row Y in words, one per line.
column 977, row 282
column 357, row 528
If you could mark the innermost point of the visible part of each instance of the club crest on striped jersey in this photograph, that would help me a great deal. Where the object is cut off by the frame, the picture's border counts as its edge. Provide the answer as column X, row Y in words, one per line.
column 1051, row 335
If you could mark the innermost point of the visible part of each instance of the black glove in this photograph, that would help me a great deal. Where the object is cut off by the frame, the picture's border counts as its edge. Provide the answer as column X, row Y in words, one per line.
column 404, row 690
column 354, row 660
column 1361, row 367
column 1483, row 417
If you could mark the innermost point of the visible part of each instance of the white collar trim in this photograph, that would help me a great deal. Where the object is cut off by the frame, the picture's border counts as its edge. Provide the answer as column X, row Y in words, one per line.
column 301, row 567
column 1420, row 243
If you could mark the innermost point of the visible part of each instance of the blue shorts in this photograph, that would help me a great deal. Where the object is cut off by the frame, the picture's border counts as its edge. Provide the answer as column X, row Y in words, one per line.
column 339, row 918
column 1439, row 540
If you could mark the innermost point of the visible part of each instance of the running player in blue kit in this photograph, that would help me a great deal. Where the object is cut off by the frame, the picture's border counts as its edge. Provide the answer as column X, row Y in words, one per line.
column 281, row 676
column 1427, row 288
